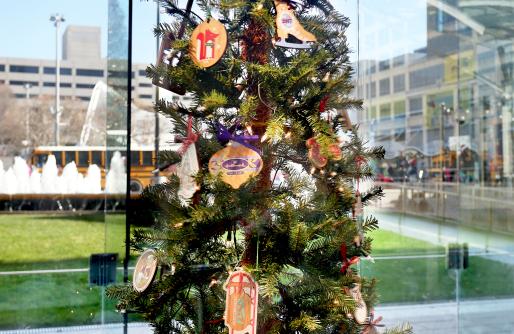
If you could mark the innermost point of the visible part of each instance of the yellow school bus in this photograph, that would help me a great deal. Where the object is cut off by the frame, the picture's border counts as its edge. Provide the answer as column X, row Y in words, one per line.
column 142, row 160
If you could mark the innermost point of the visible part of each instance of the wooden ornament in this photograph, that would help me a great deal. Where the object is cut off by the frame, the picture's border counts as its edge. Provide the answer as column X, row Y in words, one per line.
column 360, row 314
column 208, row 43
column 144, row 272
column 241, row 303
column 290, row 33
column 236, row 164
column 315, row 155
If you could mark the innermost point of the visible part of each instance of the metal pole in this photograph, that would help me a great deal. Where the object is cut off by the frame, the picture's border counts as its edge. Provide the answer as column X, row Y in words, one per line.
column 57, row 19
column 57, row 83
column 128, row 159
column 27, row 113
column 157, row 127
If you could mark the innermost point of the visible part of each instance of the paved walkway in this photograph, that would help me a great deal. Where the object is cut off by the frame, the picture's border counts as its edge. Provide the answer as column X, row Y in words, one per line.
column 472, row 317
column 133, row 328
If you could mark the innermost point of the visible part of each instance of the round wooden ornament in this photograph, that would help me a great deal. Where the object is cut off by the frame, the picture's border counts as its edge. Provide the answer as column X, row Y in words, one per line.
column 144, row 272
column 208, row 43
column 236, row 164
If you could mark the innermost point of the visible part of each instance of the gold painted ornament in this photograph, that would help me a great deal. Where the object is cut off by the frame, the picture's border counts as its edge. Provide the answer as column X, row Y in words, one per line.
column 290, row 33
column 208, row 43
column 236, row 163
column 145, row 270
column 241, row 303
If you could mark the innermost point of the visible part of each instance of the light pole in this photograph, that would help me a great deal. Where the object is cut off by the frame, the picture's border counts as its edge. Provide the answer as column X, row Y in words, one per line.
column 27, row 113
column 57, row 19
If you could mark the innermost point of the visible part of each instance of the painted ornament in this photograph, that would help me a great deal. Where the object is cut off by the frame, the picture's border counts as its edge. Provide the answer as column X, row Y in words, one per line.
column 241, row 303
column 360, row 314
column 236, row 163
column 208, row 43
column 316, row 156
column 144, row 272
column 290, row 33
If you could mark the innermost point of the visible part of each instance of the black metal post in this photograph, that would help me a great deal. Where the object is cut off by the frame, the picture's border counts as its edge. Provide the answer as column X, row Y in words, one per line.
column 128, row 159
column 157, row 130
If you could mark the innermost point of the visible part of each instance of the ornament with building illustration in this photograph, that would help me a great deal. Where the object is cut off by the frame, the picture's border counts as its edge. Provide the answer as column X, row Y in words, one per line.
column 208, row 43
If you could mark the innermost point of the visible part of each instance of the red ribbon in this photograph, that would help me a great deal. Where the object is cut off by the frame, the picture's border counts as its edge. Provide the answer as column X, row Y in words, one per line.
column 323, row 104
column 191, row 138
column 347, row 263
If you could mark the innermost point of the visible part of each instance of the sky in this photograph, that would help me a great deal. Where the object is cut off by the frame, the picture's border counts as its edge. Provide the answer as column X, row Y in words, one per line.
column 386, row 27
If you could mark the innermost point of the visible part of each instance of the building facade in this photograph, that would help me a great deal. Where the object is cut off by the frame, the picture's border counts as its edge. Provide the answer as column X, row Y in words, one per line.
column 447, row 105
column 81, row 68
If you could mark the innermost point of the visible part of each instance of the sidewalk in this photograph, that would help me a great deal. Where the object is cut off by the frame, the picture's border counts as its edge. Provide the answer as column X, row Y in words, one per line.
column 133, row 328
column 476, row 317
column 472, row 317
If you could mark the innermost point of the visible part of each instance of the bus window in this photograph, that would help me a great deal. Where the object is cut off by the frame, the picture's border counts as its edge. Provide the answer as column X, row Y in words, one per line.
column 58, row 158
column 40, row 160
column 96, row 158
column 69, row 156
column 134, row 158
column 147, row 158
column 83, row 159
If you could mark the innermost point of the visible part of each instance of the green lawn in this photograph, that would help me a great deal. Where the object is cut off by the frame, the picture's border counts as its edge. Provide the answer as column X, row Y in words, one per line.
column 31, row 242
column 427, row 279
column 56, row 241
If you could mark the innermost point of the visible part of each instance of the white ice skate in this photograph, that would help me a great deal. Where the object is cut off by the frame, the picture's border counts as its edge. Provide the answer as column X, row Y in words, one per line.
column 290, row 33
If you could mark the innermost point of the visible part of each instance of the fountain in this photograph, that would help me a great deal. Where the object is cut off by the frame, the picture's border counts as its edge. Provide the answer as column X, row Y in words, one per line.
column 23, row 179
column 116, row 180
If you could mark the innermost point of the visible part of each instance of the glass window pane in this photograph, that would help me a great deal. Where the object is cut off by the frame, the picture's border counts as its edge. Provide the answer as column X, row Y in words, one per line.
column 96, row 158
column 23, row 69
column 69, row 156
column 83, row 158
column 147, row 158
column 134, row 158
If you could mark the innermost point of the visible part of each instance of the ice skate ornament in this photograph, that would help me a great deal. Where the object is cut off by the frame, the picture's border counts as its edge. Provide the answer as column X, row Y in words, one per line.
column 208, row 43
column 290, row 33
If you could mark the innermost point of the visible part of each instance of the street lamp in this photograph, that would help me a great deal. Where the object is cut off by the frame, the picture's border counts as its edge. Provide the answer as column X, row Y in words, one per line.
column 27, row 113
column 57, row 19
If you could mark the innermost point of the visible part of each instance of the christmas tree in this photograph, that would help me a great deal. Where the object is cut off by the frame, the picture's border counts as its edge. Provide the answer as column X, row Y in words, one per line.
column 260, row 227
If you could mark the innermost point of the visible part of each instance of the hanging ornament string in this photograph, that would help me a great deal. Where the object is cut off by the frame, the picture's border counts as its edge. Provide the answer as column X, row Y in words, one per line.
column 347, row 262
column 225, row 135
column 190, row 138
column 371, row 327
column 359, row 160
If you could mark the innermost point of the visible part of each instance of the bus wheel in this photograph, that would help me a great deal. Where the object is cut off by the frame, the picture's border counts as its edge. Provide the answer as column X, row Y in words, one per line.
column 136, row 187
